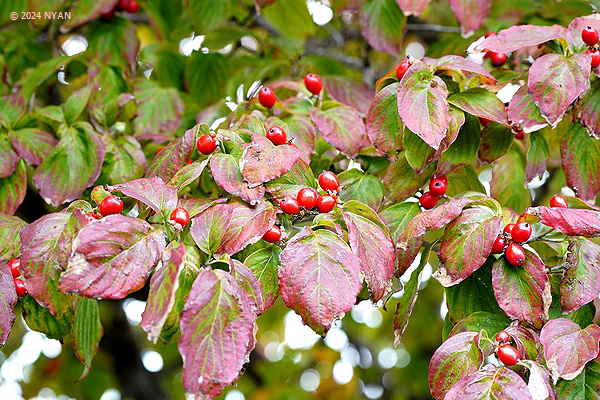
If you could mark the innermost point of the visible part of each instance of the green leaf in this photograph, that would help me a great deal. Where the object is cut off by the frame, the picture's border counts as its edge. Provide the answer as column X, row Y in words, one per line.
column 13, row 189
column 167, row 63
column 507, row 185
column 125, row 159
column 402, row 182
column 583, row 316
column 397, row 217
column 290, row 18
column 495, row 142
column 87, row 10
column 580, row 154
column 87, row 332
column 537, row 155
column 362, row 187
column 34, row 77
column 384, row 126
column 208, row 14
column 481, row 103
column 159, row 111
column 10, row 243
column 382, row 24
column 290, row 183
column 75, row 104
column 418, row 153
column 114, row 43
column 264, row 264
column 463, row 149
column 199, row 67
column 492, row 323
column 39, row 319
column 585, row 386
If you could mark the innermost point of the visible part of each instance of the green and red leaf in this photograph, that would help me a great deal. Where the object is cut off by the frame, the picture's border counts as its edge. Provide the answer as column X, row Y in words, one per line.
column 384, row 126
column 247, row 226
column 343, row 128
column 210, row 226
column 87, row 331
column 481, row 103
column 227, row 175
column 8, row 300
column 153, row 192
column 490, row 383
column 523, row 111
column 264, row 264
column 470, row 14
column 581, row 279
column 13, row 189
column 382, row 24
column 580, row 154
column 263, row 161
column 517, row 37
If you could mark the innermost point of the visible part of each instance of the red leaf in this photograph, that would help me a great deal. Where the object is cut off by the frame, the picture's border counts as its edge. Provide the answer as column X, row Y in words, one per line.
column 384, row 126
column 8, row 299
column 112, row 257
column 343, row 128
column 247, row 226
column 262, row 161
column 8, row 157
column 580, row 155
column 567, row 347
column 153, row 192
column 300, row 130
column 523, row 292
column 249, row 284
column 352, row 93
column 461, row 64
column 228, row 176
column 412, row 7
column 581, row 279
column 587, row 110
column 470, row 14
column 196, row 206
column 569, row 221
column 210, row 226
column 539, row 384
column 422, row 104
column 217, row 334
column 457, row 357
column 319, row 277
column 517, row 37
column 490, row 383
column 163, row 288
column 523, row 111
column 555, row 81
column 370, row 240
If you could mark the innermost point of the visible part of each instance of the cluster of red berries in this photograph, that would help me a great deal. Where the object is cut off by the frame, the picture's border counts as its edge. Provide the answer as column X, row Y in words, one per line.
column 308, row 198
column 498, row 59
column 437, row 188
column 14, row 266
column 508, row 242
column 130, row 6
column 267, row 97
column 506, row 352
column 590, row 37
column 207, row 143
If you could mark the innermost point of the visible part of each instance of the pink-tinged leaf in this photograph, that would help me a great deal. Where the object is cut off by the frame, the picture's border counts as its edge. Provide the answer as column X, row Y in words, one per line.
column 523, row 111
column 217, row 329
column 573, row 34
column 537, row 155
column 569, row 221
column 456, row 358
column 210, row 226
column 319, row 277
column 466, row 244
column 490, row 383
column 495, row 141
column 587, row 110
column 8, row 157
column 8, row 299
column 127, row 160
column 363, row 187
column 46, row 246
column 153, row 192
column 384, row 126
column 349, row 92
column 581, row 280
column 422, row 104
column 412, row 7
column 87, row 10
column 87, row 331
column 555, row 81
column 401, row 181
column 248, row 283
column 584, row 386
column 10, row 242
column 32, row 144
column 523, row 292
column 343, row 128
column 517, row 37
column 163, row 288
column 228, row 176
column 567, row 347
column 481, row 103
column 196, row 206
column 470, row 14
column 405, row 258
column 262, row 161
column 458, row 63
column 382, row 24
column 264, row 264
column 526, row 340
column 508, row 177
column 290, row 183
column 539, row 384
column 13, row 189
column 176, row 154
column 580, row 155
column 112, row 257
column 159, row 111
column 300, row 130
column 188, row 174
column 431, row 220
column 72, row 166
column 371, row 241
column 247, row 226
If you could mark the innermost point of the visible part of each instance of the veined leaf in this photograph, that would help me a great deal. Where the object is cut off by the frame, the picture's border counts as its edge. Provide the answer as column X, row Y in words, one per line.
column 363, row 187
column 264, row 264
column 523, row 111
column 537, row 155
column 8, row 299
column 569, row 221
column 13, row 189
column 470, row 14
column 159, row 111
column 481, row 103
column 290, row 183
column 581, row 279
column 490, row 383
column 343, row 128
column 458, row 63
column 384, row 126
column 580, row 156
column 262, row 161
column 10, row 242
column 39, row 319
column 402, row 182
column 383, row 25
column 412, row 7
column 32, row 144
column 247, row 226
column 153, row 192
column 496, row 139
column 228, row 176
column 517, row 37
column 508, row 181
column 87, row 332
column 209, row 228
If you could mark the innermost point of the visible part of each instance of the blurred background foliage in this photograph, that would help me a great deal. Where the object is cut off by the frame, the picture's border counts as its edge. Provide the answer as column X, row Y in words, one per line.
column 199, row 55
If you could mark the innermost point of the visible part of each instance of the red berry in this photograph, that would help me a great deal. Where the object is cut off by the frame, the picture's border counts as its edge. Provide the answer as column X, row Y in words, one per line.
column 484, row 121
column 498, row 246
column 595, row 54
column 503, row 337
column 589, row 36
column 111, row 205
column 428, row 200
column 521, row 232
column 515, row 254
column 108, row 15
column 206, row 144
column 498, row 59
column 307, row 198
column 267, row 97
column 508, row 355
column 402, row 68
column 557, row 201
column 289, row 205
column 313, row 83
column 438, row 186
column 180, row 216
column 520, row 135
column 20, row 288
column 325, row 203
column 131, row 6
column 329, row 181
column 276, row 135
column 272, row 235
column 14, row 266
column 508, row 228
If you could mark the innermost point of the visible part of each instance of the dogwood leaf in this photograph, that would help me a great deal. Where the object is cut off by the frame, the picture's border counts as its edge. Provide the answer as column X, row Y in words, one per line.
column 262, row 161
column 481, row 103
column 383, row 25
column 517, row 37
column 580, row 282
column 247, row 226
column 290, row 183
column 8, row 300
column 412, row 7
column 87, row 331
column 490, row 383
column 153, row 192
column 264, row 264
column 384, row 126
column 470, row 14
column 580, row 155
column 570, row 221
column 458, row 63
column 352, row 93
column 523, row 111
column 210, row 226
column 13, row 189
column 228, row 176
column 342, row 127
column 537, row 155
